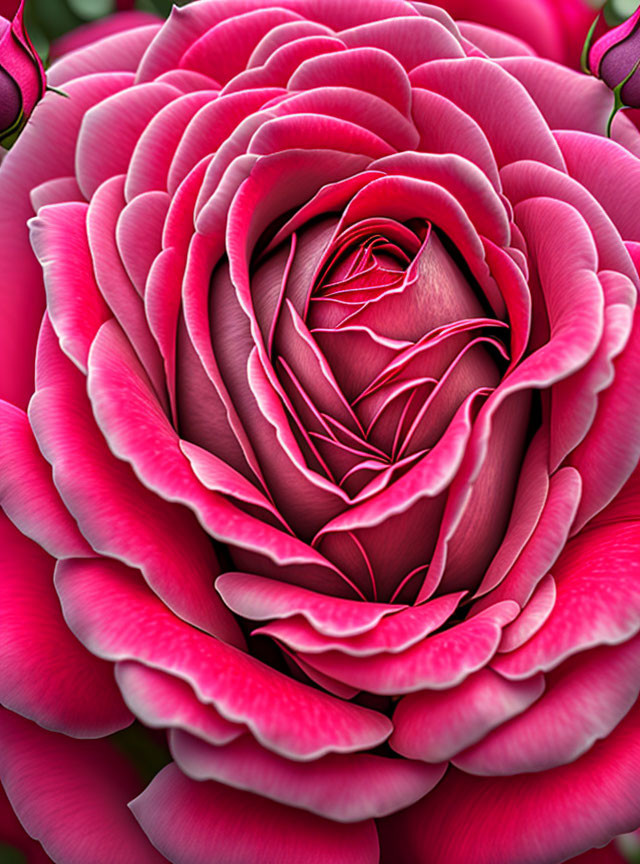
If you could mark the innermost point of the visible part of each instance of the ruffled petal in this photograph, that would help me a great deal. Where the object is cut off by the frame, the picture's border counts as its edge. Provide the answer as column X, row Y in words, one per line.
column 209, row 823
column 72, row 795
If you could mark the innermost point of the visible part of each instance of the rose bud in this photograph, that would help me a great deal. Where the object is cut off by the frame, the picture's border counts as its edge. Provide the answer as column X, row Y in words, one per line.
column 22, row 76
column 615, row 58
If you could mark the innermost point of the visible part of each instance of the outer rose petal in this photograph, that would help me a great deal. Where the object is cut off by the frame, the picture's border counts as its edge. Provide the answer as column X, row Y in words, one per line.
column 120, row 517
column 208, row 823
column 98, row 30
column 13, row 834
column 598, row 600
column 343, row 787
column 607, row 855
column 529, row 818
column 27, row 493
column 71, row 795
column 45, row 673
column 22, row 169
column 164, row 701
column 585, row 698
column 436, row 724
column 554, row 28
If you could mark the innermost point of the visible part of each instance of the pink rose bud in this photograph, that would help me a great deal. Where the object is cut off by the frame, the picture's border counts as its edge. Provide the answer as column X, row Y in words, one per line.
column 615, row 58
column 22, row 76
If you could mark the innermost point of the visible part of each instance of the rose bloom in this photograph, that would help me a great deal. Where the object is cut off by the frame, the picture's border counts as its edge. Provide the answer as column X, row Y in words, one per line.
column 321, row 370
column 554, row 28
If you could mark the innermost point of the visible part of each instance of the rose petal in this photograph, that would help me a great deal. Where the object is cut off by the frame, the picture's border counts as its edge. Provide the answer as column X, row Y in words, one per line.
column 344, row 787
column 598, row 600
column 27, row 493
column 440, row 661
column 584, row 700
column 548, row 816
column 208, row 823
column 165, row 701
column 46, row 674
column 71, row 795
column 434, row 725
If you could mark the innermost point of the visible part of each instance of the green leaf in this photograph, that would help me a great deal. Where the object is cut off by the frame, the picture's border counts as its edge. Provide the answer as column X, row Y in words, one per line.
column 91, row 9
column 53, row 17
column 617, row 11
column 11, row 855
column 162, row 7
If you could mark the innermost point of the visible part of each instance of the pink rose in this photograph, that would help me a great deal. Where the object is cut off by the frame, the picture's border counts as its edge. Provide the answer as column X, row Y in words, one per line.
column 554, row 28
column 329, row 467
column 22, row 78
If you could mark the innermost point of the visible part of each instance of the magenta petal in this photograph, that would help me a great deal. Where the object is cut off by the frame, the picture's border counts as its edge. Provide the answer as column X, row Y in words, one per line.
column 445, row 128
column 283, row 61
column 45, row 673
column 22, row 169
column 260, row 599
column 463, row 179
column 548, row 816
column 181, row 30
column 584, row 154
column 14, row 835
column 567, row 99
column 367, row 69
column 393, row 633
column 440, row 661
column 343, row 691
column 112, row 611
column 207, row 130
column 427, row 478
column 72, row 795
column 283, row 34
column 112, row 51
column 545, row 543
column 156, row 147
column 625, row 507
column 165, row 701
column 55, row 191
column 532, row 617
column 139, row 234
column 209, row 823
column 574, row 402
column 27, row 493
column 216, row 475
column 410, row 40
column 530, row 498
column 530, row 179
column 485, row 92
column 119, row 516
column 494, row 43
column 598, row 600
column 315, row 131
column 610, row 450
column 111, row 129
column 224, row 49
column 74, row 303
column 584, row 700
column 115, row 285
column 360, row 107
column 434, row 725
column 343, row 787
